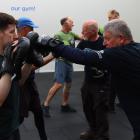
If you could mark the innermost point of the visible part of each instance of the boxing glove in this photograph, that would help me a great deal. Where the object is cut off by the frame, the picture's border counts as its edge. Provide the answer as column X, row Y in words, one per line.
column 43, row 44
column 7, row 63
column 35, row 58
column 22, row 51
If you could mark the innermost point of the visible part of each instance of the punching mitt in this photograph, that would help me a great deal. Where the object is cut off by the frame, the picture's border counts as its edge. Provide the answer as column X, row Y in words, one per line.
column 43, row 44
column 22, row 51
column 8, row 61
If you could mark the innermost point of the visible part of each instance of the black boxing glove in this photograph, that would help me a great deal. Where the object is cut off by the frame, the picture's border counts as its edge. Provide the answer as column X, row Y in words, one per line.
column 48, row 44
column 20, row 54
column 35, row 58
column 7, row 63
column 43, row 44
column 33, row 37
column 35, row 41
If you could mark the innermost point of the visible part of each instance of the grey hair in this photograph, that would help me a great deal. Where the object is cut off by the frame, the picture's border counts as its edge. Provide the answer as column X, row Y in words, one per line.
column 118, row 27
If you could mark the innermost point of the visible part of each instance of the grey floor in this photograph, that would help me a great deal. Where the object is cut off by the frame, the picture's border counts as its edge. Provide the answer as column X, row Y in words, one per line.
column 68, row 126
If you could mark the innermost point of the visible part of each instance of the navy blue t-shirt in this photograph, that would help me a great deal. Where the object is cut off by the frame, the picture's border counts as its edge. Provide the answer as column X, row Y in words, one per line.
column 123, row 62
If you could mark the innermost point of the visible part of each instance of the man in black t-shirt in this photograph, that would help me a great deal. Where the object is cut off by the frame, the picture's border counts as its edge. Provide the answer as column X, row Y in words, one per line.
column 9, row 88
column 121, row 57
column 94, row 91
column 29, row 99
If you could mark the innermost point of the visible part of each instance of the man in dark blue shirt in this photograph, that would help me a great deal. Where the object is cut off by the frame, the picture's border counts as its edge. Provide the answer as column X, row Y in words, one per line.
column 122, row 58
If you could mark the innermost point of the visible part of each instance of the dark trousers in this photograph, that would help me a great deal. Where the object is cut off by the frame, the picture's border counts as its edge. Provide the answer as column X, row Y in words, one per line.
column 14, row 136
column 130, row 102
column 113, row 93
column 112, row 96
column 30, row 101
column 95, row 106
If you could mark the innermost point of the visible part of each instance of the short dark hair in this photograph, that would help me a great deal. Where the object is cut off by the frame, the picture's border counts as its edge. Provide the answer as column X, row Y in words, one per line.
column 5, row 20
column 114, row 12
column 63, row 20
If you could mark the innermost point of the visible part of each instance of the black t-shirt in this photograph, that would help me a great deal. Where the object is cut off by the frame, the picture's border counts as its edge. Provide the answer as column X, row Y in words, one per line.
column 9, row 111
column 94, row 73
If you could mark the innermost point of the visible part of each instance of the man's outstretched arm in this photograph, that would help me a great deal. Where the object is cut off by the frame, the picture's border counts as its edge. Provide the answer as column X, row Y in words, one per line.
column 84, row 57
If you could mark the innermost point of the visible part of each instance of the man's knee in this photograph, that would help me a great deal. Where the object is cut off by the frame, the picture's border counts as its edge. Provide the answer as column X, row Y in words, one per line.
column 67, row 87
column 57, row 85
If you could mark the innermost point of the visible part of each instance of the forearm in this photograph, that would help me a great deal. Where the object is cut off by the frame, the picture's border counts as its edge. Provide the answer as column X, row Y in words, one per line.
column 48, row 58
column 25, row 72
column 76, row 55
column 5, row 86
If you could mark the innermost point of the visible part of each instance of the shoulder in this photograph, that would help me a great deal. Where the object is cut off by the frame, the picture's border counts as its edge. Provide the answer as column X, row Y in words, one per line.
column 72, row 33
column 75, row 35
column 58, row 35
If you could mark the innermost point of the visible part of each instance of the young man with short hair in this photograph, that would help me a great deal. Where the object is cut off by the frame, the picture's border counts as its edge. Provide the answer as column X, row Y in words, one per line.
column 9, row 85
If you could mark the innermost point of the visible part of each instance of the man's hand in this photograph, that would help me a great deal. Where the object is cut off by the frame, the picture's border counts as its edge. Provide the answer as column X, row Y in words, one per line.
column 35, row 58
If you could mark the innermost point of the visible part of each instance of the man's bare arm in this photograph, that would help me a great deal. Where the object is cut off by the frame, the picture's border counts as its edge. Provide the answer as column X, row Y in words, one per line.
column 25, row 72
column 5, row 86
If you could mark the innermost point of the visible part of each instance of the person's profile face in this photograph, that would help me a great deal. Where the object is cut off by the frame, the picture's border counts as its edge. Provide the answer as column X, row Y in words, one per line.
column 8, row 35
column 88, row 33
column 23, row 31
column 85, row 32
column 111, row 41
column 69, row 24
column 112, row 16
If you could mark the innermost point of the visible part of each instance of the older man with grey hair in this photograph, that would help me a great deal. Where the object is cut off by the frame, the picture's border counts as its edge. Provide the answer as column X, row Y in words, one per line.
column 121, row 57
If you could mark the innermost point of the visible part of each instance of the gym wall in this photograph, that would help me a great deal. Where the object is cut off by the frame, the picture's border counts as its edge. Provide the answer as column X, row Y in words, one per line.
column 47, row 14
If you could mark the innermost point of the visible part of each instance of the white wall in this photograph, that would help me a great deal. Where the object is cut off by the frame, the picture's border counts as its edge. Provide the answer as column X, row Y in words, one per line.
column 47, row 13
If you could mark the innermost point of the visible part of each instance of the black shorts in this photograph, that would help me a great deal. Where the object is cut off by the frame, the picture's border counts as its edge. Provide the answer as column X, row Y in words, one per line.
column 14, row 136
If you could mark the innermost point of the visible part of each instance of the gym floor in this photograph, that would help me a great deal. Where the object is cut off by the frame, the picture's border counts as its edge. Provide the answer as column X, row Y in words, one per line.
column 62, row 126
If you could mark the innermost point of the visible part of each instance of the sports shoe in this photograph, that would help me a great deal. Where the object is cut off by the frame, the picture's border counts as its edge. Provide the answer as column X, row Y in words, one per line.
column 86, row 135
column 46, row 111
column 67, row 108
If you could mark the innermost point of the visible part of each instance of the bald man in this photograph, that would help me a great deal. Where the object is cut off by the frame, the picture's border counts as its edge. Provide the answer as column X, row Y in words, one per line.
column 94, row 92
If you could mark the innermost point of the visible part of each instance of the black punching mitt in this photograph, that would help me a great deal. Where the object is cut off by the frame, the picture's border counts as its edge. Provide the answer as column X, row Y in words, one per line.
column 22, row 51
column 43, row 44
column 35, row 58
column 8, row 62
